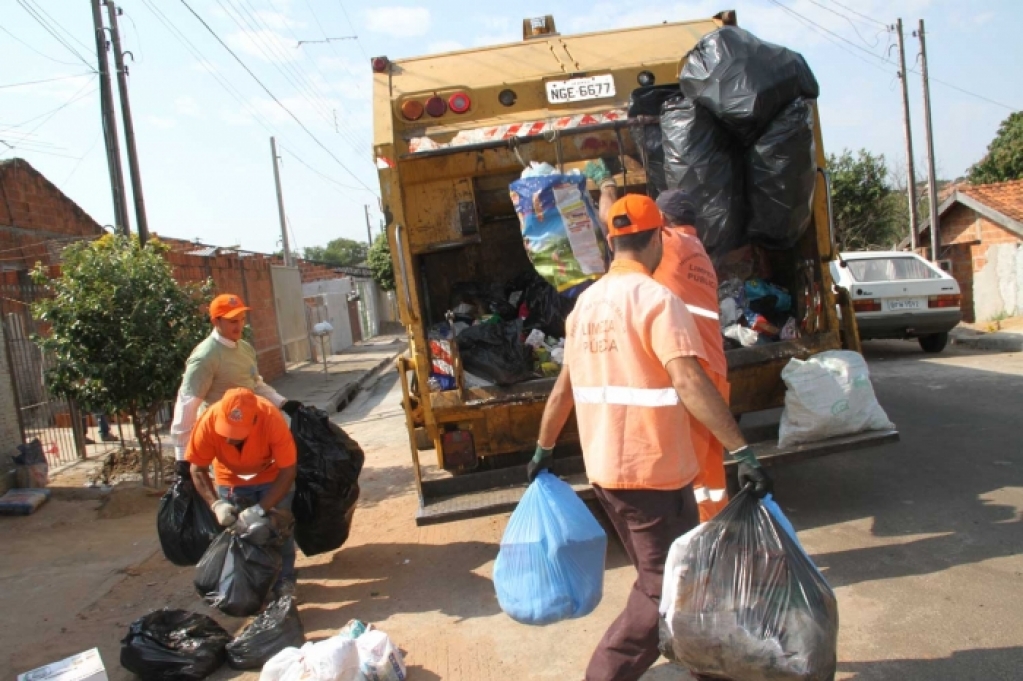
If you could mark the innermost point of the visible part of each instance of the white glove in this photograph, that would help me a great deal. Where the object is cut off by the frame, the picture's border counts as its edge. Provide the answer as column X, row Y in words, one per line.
column 253, row 515
column 253, row 524
column 226, row 513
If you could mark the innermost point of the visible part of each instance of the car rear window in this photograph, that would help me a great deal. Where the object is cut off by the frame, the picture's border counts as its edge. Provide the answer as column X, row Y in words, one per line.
column 890, row 269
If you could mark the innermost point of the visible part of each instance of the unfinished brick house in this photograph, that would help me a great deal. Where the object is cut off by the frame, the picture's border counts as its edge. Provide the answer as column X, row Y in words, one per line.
column 981, row 245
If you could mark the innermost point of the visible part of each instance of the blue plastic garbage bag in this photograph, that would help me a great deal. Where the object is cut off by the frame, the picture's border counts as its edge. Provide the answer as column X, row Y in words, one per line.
column 551, row 563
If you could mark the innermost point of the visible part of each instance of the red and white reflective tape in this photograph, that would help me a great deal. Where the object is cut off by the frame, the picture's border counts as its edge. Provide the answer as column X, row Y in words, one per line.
column 524, row 129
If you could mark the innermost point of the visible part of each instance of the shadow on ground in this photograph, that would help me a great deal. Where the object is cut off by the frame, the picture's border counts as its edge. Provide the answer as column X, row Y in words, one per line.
column 988, row 664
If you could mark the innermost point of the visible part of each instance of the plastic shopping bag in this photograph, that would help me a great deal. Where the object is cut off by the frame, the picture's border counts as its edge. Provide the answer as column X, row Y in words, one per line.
column 236, row 575
column 741, row 600
column 174, row 645
column 551, row 563
column 334, row 659
column 827, row 396
column 559, row 226
column 327, row 483
column 185, row 523
column 379, row 658
column 276, row 628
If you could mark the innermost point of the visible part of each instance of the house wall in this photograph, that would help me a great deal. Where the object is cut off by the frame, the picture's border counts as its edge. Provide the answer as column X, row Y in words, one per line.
column 334, row 294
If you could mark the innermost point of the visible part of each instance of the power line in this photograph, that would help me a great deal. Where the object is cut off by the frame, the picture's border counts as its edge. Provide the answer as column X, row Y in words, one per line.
column 848, row 20
column 863, row 16
column 41, row 54
column 87, row 152
column 45, row 80
column 50, row 114
column 61, row 27
column 830, row 32
column 274, row 97
column 349, row 20
column 340, row 58
column 46, row 26
column 323, row 175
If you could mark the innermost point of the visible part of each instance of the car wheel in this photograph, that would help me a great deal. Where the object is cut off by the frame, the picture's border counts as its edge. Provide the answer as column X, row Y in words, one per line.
column 935, row 342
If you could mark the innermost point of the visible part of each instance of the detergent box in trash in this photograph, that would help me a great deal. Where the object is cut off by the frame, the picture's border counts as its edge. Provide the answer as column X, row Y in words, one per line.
column 87, row 666
column 559, row 226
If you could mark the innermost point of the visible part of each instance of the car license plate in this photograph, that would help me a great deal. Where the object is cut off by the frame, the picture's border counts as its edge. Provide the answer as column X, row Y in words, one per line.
column 903, row 304
column 580, row 89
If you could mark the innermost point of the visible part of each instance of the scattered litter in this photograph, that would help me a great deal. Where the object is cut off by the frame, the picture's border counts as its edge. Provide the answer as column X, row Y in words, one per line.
column 23, row 501
column 174, row 645
column 87, row 666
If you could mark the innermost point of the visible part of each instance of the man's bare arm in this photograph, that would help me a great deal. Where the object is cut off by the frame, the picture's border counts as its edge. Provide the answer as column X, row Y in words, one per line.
column 556, row 413
column 702, row 400
column 281, row 486
column 203, row 484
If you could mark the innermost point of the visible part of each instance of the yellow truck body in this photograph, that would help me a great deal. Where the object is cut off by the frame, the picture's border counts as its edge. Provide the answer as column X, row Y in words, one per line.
column 444, row 186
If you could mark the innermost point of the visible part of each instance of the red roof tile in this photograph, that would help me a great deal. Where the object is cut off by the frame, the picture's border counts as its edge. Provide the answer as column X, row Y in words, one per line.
column 1004, row 197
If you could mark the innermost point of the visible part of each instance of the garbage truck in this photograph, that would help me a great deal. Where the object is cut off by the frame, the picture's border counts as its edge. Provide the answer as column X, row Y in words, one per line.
column 452, row 131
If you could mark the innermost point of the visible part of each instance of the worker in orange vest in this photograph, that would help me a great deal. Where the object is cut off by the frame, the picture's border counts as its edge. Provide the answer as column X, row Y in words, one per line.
column 688, row 272
column 632, row 375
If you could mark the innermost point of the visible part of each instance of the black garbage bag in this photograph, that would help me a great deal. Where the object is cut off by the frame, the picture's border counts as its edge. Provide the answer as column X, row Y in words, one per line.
column 235, row 576
column 496, row 352
column 743, row 601
column 276, row 628
column 547, row 308
column 185, row 523
column 701, row 159
column 744, row 81
column 327, row 483
column 644, row 113
column 486, row 298
column 174, row 645
column 781, row 175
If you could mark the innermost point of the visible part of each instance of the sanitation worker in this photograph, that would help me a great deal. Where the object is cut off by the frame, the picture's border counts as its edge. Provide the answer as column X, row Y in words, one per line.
column 253, row 454
column 632, row 373
column 221, row 362
column 688, row 272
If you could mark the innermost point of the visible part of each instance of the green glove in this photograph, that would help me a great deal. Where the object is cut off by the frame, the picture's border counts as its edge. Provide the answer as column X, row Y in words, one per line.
column 750, row 472
column 597, row 171
column 542, row 460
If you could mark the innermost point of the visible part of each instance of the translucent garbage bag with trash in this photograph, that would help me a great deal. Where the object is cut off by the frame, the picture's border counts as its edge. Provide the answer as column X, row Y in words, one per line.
column 550, row 566
column 174, row 645
column 742, row 600
column 276, row 628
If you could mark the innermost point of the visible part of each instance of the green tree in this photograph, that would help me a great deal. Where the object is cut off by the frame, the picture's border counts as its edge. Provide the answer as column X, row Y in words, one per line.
column 1004, row 158
column 380, row 264
column 339, row 253
column 868, row 212
column 120, row 330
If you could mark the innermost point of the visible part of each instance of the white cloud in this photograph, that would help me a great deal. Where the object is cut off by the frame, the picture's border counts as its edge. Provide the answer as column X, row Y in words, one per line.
column 444, row 46
column 401, row 22
column 162, row 122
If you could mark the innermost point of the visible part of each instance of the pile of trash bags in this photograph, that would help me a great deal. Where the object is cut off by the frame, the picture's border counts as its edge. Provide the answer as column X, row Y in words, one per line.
column 184, row 522
column 737, row 135
column 742, row 600
column 828, row 395
column 550, row 566
column 327, row 481
column 174, row 645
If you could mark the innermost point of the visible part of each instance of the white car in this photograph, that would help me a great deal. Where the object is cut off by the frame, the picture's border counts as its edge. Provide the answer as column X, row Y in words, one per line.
column 900, row 295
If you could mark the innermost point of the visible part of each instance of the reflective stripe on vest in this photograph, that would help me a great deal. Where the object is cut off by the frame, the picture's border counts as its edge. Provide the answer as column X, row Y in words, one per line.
column 703, row 312
column 623, row 395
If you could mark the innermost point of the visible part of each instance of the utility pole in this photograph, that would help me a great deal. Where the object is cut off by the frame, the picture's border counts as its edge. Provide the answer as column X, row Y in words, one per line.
column 280, row 205
column 369, row 230
column 106, row 101
column 129, row 128
column 910, row 165
column 932, row 189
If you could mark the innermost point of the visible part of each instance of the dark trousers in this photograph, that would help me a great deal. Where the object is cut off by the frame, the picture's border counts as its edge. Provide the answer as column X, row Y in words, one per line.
column 647, row 521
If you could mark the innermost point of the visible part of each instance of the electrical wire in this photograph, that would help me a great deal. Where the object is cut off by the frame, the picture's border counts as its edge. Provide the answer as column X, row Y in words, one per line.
column 340, row 58
column 50, row 114
column 41, row 54
column 354, row 32
column 275, row 98
column 87, row 152
column 322, row 175
column 68, row 33
column 863, row 16
column 45, row 80
column 42, row 22
column 848, row 20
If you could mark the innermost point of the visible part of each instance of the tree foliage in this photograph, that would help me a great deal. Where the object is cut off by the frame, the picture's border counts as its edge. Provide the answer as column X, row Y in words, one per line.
column 380, row 263
column 1004, row 158
column 120, row 329
column 339, row 253
column 868, row 213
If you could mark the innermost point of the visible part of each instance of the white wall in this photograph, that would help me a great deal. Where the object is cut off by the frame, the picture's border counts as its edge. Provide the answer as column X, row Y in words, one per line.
column 334, row 293
column 998, row 287
column 291, row 321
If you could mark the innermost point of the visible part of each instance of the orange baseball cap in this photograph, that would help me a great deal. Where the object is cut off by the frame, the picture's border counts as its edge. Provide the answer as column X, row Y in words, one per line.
column 236, row 414
column 633, row 213
column 227, row 305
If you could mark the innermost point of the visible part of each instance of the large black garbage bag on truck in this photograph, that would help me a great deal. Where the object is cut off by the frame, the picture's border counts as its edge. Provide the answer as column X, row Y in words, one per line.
column 781, row 173
column 236, row 575
column 185, row 523
column 327, row 483
column 174, row 645
column 547, row 309
column 276, row 628
column 496, row 352
column 645, row 105
column 700, row 158
column 744, row 81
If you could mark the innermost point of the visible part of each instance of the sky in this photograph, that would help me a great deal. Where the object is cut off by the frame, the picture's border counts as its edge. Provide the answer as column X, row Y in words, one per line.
column 203, row 123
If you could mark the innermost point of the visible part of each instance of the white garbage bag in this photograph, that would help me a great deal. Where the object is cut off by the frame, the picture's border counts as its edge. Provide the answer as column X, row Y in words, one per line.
column 379, row 658
column 827, row 396
column 335, row 659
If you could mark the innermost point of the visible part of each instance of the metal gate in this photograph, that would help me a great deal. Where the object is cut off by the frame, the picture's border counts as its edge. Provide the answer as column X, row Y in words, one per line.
column 66, row 433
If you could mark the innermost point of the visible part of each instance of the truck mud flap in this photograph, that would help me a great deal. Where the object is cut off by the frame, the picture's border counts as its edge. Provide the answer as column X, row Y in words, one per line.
column 493, row 492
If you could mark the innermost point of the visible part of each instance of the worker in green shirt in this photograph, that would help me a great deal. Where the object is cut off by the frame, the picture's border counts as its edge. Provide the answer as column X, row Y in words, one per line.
column 221, row 362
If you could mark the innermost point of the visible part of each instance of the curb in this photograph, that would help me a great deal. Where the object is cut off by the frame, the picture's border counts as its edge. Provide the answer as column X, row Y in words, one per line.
column 342, row 397
column 991, row 342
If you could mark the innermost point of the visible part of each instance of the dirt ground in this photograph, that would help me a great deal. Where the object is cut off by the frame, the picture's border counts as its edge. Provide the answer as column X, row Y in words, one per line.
column 921, row 541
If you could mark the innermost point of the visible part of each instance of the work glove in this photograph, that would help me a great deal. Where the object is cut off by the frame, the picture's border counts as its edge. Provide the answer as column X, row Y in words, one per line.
column 597, row 171
column 227, row 514
column 541, row 461
column 750, row 473
column 291, row 407
column 253, row 524
column 183, row 469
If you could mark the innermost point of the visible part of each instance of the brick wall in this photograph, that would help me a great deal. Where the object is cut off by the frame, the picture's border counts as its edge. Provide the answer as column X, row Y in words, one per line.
column 248, row 277
column 10, row 431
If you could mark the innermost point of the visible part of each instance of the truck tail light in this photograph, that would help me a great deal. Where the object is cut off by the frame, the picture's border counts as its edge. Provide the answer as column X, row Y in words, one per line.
column 946, row 300
column 412, row 110
column 459, row 102
column 867, row 305
column 380, row 64
column 436, row 107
